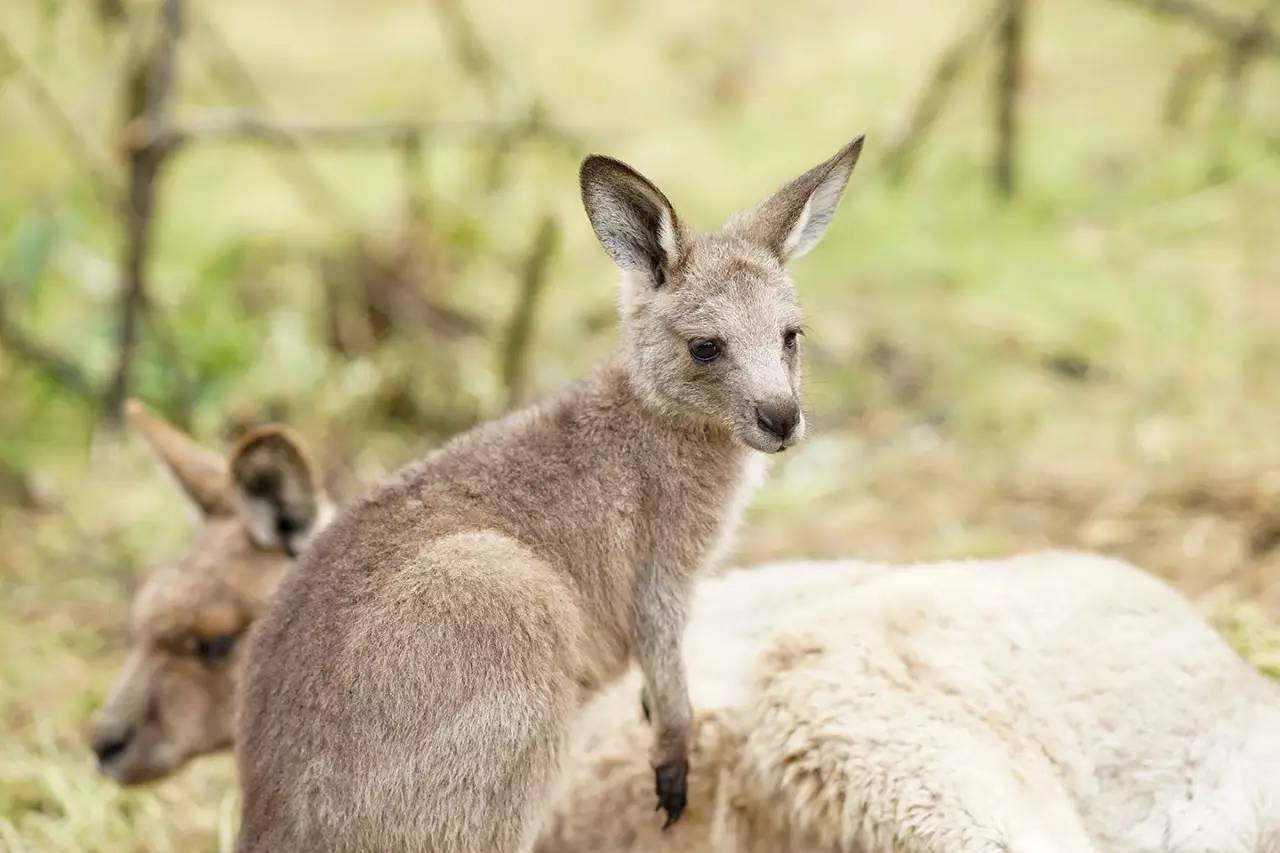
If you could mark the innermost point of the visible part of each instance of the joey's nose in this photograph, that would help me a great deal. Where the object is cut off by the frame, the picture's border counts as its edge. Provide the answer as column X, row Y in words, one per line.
column 778, row 419
column 109, row 742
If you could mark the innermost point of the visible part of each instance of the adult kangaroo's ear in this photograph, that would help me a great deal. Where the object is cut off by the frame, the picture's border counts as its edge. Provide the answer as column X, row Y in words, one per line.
column 201, row 473
column 792, row 220
column 633, row 219
column 278, row 489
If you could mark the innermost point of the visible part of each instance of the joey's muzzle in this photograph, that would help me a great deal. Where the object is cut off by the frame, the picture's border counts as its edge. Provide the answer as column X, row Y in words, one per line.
column 778, row 420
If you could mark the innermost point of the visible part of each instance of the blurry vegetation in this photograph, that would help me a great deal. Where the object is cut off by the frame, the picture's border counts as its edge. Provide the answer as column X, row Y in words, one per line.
column 367, row 224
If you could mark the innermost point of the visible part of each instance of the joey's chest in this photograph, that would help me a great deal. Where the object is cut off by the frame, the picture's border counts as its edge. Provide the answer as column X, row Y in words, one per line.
column 696, row 524
column 754, row 471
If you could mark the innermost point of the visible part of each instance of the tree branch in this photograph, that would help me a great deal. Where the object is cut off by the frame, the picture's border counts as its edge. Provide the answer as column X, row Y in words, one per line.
column 1008, row 86
column 533, row 278
column 50, row 362
column 1252, row 36
column 937, row 90
column 374, row 134
column 470, row 50
column 144, row 163
column 235, row 77
column 105, row 182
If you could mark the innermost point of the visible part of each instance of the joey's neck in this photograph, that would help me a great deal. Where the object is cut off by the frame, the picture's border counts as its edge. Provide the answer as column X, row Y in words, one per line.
column 663, row 417
column 686, row 459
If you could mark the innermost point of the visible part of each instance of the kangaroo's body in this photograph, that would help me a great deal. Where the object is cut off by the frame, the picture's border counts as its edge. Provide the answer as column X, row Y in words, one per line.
column 1054, row 702
column 411, row 684
column 175, row 696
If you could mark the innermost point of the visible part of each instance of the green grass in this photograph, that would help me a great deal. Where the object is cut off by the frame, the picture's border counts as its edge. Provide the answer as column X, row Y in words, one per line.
column 936, row 312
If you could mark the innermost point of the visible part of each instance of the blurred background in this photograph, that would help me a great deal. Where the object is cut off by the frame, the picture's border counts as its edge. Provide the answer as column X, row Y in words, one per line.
column 1047, row 314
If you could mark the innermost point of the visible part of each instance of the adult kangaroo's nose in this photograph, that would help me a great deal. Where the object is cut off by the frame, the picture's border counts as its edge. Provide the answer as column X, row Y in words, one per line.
column 778, row 419
column 109, row 741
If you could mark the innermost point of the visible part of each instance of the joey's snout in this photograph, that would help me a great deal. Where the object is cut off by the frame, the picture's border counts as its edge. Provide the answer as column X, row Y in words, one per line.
column 778, row 419
column 773, row 425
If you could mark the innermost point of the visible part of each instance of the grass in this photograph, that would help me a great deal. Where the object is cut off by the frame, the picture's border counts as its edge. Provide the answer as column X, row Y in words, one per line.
column 1091, row 365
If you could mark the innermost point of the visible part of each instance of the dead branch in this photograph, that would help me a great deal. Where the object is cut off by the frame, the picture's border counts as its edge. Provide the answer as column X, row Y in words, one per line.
column 55, row 365
column 1008, row 86
column 415, row 198
column 1251, row 36
column 182, row 391
column 472, row 54
column 105, row 182
column 233, row 74
column 533, row 279
column 938, row 89
column 1186, row 84
column 373, row 134
column 1235, row 72
column 144, row 164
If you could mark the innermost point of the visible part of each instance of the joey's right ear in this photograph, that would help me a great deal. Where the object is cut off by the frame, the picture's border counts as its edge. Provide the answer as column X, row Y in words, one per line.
column 793, row 219
column 632, row 218
column 278, row 488
column 201, row 473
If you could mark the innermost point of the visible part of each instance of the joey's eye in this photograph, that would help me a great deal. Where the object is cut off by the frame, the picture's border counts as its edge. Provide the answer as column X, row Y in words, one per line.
column 704, row 350
column 790, row 337
column 214, row 649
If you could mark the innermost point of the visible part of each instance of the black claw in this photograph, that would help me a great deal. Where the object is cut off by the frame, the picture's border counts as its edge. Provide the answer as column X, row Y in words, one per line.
column 672, row 786
column 644, row 707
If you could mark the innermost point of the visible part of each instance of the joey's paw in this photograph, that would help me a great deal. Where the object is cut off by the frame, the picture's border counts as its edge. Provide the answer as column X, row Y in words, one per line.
column 672, row 787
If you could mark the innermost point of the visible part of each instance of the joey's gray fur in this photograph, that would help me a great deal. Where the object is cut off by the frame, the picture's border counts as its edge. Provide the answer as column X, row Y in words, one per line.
column 410, row 685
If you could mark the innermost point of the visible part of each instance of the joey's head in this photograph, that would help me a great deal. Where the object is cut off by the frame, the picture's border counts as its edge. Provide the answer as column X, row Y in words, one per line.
column 711, row 320
column 175, row 697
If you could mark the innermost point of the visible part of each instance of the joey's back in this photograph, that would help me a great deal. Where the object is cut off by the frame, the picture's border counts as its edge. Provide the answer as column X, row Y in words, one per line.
column 411, row 684
column 592, row 483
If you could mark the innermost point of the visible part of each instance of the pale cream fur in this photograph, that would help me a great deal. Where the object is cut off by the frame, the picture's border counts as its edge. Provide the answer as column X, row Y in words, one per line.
column 1052, row 702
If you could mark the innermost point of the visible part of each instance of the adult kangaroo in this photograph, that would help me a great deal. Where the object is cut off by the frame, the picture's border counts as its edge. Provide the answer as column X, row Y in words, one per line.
column 411, row 685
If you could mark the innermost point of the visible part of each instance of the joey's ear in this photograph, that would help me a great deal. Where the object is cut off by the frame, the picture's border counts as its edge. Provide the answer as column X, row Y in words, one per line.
column 277, row 486
column 200, row 472
column 792, row 220
column 633, row 219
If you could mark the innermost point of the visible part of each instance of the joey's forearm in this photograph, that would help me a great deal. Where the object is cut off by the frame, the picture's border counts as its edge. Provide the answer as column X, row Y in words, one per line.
column 658, row 628
column 657, row 632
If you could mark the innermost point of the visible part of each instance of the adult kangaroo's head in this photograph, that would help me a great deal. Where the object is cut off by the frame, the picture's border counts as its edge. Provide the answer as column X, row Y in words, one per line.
column 712, row 321
column 175, row 698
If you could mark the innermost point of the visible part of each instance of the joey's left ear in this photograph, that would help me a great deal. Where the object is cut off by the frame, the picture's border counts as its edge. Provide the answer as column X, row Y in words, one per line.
column 792, row 220
column 632, row 218
column 277, row 486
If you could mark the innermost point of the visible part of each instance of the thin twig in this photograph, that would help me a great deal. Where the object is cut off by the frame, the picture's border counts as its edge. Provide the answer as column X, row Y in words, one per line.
column 1255, row 35
column 182, row 389
column 1186, row 84
column 105, row 182
column 234, row 76
column 53, row 364
column 373, row 134
column 415, row 196
column 1008, row 86
column 937, row 90
column 1235, row 71
column 470, row 50
column 533, row 279
column 144, row 161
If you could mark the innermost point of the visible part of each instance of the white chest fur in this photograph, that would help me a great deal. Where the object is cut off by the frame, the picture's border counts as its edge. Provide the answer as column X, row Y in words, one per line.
column 755, row 468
